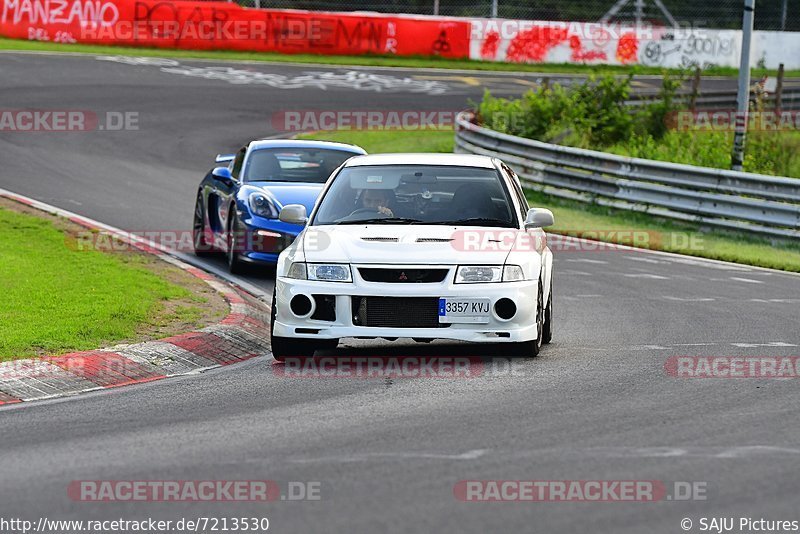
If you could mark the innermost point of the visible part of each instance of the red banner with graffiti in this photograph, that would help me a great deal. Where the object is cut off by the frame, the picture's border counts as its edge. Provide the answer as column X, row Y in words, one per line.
column 227, row 26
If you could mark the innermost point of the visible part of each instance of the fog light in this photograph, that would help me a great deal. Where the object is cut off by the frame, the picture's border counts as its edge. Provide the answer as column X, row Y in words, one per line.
column 505, row 308
column 301, row 306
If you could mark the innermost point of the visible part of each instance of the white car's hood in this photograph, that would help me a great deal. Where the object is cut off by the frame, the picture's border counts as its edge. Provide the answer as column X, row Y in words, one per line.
column 406, row 244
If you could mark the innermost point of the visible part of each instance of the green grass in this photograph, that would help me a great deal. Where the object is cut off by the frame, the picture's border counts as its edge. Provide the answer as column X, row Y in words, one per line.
column 766, row 152
column 57, row 299
column 365, row 60
column 576, row 218
column 378, row 141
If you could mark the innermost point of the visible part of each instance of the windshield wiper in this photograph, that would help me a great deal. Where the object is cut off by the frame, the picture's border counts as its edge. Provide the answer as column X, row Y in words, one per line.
column 382, row 220
column 476, row 221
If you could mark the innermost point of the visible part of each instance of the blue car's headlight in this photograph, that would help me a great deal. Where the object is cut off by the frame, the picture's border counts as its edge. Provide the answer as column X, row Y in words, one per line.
column 262, row 206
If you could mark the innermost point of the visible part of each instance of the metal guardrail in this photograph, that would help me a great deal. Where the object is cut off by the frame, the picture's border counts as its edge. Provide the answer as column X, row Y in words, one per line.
column 724, row 100
column 767, row 205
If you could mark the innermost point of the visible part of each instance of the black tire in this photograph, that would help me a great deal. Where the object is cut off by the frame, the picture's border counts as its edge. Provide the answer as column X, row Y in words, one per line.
column 547, row 331
column 235, row 265
column 286, row 347
column 530, row 349
column 202, row 249
column 327, row 344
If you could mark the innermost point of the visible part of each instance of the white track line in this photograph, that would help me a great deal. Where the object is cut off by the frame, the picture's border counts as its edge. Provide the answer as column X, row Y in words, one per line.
column 675, row 255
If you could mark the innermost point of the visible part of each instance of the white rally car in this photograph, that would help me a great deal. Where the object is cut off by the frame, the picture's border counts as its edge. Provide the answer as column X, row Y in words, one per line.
column 422, row 246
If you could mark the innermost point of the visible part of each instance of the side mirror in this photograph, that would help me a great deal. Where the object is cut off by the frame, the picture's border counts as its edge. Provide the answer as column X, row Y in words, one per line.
column 223, row 174
column 539, row 218
column 293, row 214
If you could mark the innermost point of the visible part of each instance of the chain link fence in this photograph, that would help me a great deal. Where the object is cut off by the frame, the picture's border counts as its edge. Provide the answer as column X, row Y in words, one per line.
column 770, row 14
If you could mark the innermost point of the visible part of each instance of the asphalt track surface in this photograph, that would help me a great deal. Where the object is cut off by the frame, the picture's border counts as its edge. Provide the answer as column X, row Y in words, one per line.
column 597, row 404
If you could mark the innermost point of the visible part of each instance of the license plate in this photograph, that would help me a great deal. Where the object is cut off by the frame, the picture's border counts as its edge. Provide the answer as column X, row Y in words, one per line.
column 463, row 310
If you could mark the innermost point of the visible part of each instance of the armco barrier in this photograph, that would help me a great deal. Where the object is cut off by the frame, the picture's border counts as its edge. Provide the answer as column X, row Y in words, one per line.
column 768, row 205
column 725, row 100
column 227, row 26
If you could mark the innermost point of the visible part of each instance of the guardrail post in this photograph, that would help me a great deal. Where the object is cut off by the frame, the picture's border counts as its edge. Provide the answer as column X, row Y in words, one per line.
column 743, row 95
column 695, row 90
column 779, row 89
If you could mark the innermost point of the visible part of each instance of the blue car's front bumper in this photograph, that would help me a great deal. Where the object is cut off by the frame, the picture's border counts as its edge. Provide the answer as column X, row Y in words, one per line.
column 266, row 238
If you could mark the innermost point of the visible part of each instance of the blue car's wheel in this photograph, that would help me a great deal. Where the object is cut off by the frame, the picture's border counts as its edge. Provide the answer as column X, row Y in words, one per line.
column 235, row 265
column 202, row 247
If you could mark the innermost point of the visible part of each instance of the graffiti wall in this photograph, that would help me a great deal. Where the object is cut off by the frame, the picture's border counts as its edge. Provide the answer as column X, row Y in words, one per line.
column 706, row 48
column 614, row 44
column 221, row 25
column 552, row 42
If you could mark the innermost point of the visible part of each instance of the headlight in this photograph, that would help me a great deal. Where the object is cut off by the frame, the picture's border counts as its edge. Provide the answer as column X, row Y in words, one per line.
column 513, row 273
column 476, row 274
column 326, row 272
column 262, row 206
column 298, row 271
column 329, row 272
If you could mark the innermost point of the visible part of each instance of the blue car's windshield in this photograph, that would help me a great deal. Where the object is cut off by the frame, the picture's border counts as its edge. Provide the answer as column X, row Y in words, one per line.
column 312, row 165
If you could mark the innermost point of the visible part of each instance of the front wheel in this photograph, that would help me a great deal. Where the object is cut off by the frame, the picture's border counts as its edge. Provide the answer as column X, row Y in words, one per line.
column 530, row 349
column 235, row 265
column 547, row 331
column 202, row 248
column 327, row 344
column 286, row 347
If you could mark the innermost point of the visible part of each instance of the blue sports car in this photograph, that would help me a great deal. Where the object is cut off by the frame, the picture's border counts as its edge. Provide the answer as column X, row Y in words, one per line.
column 238, row 204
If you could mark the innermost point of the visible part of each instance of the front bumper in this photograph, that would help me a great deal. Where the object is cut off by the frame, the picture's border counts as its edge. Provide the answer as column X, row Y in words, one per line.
column 521, row 327
column 266, row 239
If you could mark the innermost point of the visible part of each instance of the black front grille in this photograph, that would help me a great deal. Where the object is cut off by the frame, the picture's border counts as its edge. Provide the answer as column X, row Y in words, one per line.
column 397, row 312
column 401, row 276
column 325, row 308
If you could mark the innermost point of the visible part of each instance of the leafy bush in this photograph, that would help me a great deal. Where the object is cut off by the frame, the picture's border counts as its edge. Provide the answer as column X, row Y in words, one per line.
column 534, row 115
column 593, row 111
column 593, row 115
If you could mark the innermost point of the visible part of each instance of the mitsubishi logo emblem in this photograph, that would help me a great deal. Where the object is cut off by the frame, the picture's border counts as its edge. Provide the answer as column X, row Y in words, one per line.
column 403, row 277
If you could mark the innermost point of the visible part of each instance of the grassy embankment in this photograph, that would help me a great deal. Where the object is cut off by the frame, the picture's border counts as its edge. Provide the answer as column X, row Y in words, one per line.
column 61, row 294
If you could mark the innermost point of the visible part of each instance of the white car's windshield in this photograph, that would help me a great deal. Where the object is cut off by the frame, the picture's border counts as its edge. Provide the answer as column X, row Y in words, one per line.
column 417, row 194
